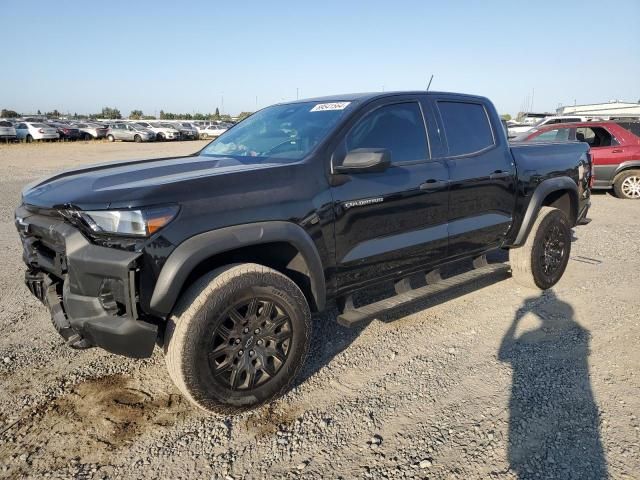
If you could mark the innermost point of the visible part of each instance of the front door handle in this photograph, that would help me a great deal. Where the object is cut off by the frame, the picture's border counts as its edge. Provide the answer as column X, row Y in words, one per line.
column 617, row 150
column 433, row 184
column 499, row 174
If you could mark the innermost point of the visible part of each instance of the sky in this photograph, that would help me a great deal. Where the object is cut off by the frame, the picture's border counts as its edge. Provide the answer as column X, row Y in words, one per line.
column 198, row 55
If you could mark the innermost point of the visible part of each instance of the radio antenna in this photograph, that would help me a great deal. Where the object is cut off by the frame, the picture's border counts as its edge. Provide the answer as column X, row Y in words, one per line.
column 429, row 84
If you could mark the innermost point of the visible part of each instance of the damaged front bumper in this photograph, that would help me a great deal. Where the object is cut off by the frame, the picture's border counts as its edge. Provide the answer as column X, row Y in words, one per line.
column 90, row 290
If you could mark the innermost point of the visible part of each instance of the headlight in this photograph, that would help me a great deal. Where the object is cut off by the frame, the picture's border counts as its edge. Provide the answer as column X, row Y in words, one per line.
column 140, row 223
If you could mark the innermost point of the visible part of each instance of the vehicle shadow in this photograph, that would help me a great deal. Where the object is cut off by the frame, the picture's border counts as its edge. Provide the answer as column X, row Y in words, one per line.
column 553, row 416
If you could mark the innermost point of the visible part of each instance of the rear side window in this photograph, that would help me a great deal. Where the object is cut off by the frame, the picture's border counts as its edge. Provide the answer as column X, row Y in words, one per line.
column 467, row 127
column 6, row 124
column 595, row 137
column 399, row 128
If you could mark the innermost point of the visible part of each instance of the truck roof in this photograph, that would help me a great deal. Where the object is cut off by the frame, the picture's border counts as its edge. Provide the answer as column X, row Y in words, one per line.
column 366, row 96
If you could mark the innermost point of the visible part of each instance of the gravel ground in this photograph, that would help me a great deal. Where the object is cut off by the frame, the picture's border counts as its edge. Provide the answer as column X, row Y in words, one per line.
column 494, row 381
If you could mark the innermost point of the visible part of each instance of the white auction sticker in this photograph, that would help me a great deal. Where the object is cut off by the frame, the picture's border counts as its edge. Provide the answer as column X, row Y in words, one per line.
column 323, row 107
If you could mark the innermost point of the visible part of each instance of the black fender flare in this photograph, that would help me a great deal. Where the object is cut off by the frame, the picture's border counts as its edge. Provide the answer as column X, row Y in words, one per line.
column 190, row 253
column 539, row 194
column 628, row 165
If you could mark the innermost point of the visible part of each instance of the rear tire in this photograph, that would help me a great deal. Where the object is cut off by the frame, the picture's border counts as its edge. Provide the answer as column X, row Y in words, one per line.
column 237, row 338
column 111, row 138
column 137, row 139
column 29, row 138
column 87, row 137
column 542, row 260
column 627, row 185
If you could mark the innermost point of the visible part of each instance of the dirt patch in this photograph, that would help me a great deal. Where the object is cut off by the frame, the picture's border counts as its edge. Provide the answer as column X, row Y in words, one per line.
column 98, row 417
column 270, row 418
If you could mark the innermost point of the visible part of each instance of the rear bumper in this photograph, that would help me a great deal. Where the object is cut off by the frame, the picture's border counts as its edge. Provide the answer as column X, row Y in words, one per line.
column 90, row 290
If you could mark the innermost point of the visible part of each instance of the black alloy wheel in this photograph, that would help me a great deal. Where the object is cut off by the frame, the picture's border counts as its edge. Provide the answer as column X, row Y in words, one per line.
column 251, row 344
column 553, row 251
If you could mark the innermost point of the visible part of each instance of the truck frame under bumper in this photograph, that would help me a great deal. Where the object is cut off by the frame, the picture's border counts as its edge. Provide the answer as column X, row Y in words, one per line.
column 89, row 289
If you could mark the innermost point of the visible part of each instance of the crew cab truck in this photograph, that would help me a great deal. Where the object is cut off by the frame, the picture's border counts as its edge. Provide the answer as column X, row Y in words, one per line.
column 221, row 257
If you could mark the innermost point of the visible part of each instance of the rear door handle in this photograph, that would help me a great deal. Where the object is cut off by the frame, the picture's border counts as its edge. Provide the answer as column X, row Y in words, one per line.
column 433, row 184
column 499, row 174
column 617, row 150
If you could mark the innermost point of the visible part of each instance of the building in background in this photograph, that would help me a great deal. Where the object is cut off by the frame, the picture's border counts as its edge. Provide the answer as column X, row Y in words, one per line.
column 607, row 111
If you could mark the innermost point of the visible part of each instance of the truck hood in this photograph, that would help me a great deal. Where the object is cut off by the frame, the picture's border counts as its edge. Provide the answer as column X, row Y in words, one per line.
column 138, row 183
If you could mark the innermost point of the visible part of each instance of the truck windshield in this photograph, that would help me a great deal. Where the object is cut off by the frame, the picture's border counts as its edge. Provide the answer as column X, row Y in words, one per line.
column 281, row 131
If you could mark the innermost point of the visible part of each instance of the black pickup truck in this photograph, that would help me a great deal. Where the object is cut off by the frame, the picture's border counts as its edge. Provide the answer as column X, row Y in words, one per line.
column 221, row 257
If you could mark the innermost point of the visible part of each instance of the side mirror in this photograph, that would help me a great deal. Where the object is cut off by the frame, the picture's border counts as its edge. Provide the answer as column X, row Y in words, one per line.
column 365, row 160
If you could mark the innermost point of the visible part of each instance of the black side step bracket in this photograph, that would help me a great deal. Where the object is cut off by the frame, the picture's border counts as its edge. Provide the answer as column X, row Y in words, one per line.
column 352, row 317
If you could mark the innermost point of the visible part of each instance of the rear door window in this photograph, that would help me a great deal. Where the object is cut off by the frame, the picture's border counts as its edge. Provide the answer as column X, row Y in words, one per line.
column 398, row 128
column 595, row 137
column 466, row 126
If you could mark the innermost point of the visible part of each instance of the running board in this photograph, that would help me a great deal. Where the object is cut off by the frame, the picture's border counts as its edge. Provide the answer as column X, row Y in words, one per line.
column 352, row 317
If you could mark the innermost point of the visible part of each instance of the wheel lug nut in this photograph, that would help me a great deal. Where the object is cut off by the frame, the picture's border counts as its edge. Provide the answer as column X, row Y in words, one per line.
column 259, row 342
column 240, row 353
column 246, row 330
column 237, row 341
column 251, row 353
column 256, row 331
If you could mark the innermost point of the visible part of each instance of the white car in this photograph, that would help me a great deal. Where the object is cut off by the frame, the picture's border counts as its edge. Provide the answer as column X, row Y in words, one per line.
column 30, row 131
column 519, row 129
column 162, row 133
column 7, row 131
column 213, row 131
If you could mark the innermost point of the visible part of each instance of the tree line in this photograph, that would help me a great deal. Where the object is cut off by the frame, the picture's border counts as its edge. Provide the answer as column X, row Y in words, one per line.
column 114, row 114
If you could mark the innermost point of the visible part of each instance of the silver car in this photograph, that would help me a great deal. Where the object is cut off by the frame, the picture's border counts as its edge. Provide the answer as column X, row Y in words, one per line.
column 129, row 132
column 91, row 131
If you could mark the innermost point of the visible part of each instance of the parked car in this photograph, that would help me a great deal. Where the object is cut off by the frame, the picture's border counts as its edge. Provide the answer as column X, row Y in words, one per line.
column 66, row 131
column 221, row 256
column 91, row 131
column 30, row 131
column 517, row 130
column 162, row 133
column 213, row 131
column 7, row 131
column 129, row 132
column 200, row 127
column 186, row 133
column 615, row 152
column 188, row 130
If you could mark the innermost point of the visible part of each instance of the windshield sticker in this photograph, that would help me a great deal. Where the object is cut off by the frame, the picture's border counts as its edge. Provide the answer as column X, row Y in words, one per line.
column 323, row 107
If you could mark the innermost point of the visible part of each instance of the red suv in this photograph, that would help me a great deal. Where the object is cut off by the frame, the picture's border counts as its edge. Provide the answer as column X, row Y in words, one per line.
column 615, row 152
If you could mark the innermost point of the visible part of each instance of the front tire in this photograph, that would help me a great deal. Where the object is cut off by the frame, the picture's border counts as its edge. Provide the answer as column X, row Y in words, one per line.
column 29, row 138
column 627, row 185
column 237, row 338
column 137, row 139
column 111, row 138
column 160, row 137
column 542, row 260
